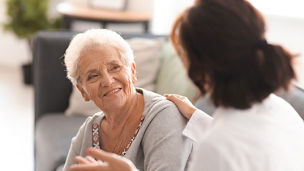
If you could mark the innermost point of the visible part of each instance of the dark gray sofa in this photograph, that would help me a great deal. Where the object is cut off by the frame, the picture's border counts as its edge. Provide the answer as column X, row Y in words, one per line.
column 53, row 130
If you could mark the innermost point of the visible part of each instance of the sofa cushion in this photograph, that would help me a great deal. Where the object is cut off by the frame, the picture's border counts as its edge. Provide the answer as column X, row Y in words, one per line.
column 53, row 138
column 77, row 106
column 147, row 59
column 172, row 76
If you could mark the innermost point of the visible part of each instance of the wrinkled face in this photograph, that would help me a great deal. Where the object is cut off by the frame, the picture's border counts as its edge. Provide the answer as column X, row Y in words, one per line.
column 106, row 78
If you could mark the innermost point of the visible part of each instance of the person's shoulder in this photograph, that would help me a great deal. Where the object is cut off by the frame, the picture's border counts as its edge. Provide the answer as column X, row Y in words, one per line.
column 96, row 118
column 86, row 128
column 162, row 110
column 279, row 102
column 279, row 106
column 152, row 97
column 154, row 100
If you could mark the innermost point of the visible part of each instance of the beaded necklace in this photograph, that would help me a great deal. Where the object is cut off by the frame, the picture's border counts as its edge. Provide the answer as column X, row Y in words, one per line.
column 95, row 136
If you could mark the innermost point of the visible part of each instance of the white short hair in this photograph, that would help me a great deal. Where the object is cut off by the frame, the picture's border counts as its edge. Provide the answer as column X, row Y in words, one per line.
column 93, row 38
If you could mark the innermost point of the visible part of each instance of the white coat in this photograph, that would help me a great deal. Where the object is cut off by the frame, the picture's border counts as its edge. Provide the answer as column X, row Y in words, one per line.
column 267, row 137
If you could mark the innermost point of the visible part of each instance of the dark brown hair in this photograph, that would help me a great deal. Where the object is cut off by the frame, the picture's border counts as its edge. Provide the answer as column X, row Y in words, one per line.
column 228, row 56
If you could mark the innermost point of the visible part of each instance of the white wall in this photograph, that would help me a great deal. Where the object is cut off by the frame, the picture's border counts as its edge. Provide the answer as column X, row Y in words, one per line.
column 164, row 13
column 141, row 5
column 287, row 31
column 291, row 8
column 285, row 22
column 52, row 8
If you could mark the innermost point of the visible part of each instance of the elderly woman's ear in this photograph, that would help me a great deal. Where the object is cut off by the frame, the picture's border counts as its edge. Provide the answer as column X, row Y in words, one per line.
column 84, row 93
column 133, row 70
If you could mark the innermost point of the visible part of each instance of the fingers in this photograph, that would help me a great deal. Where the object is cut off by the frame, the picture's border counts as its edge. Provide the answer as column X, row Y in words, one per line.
column 104, row 162
column 85, row 167
column 90, row 159
column 102, row 155
column 88, row 164
column 183, row 104
column 176, row 96
column 173, row 97
column 82, row 160
column 177, row 99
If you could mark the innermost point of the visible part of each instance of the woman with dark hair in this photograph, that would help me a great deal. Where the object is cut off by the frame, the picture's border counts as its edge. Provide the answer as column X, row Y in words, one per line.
column 222, row 45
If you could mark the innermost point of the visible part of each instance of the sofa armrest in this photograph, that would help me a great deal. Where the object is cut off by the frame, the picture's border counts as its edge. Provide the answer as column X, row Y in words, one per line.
column 295, row 96
column 51, row 87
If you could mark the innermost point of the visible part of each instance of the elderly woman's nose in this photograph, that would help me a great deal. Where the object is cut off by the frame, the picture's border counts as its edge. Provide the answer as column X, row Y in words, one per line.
column 107, row 79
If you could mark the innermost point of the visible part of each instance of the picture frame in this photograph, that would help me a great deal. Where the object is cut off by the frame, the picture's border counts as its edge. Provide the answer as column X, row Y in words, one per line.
column 118, row 5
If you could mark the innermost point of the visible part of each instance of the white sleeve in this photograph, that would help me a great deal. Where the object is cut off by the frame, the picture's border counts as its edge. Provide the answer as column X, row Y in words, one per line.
column 197, row 125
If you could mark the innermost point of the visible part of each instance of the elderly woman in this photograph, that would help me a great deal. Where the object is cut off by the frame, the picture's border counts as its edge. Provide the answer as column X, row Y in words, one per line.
column 135, row 123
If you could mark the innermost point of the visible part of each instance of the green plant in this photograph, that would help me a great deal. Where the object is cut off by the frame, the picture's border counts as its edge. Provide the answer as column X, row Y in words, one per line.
column 26, row 17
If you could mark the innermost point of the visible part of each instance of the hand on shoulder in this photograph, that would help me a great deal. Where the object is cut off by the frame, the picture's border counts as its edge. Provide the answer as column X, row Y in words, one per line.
column 183, row 104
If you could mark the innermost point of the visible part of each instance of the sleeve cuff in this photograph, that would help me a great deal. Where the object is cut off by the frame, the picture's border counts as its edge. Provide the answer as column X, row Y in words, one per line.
column 197, row 125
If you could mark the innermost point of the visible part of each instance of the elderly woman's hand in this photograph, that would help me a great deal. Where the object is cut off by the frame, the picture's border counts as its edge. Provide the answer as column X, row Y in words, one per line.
column 104, row 162
column 183, row 104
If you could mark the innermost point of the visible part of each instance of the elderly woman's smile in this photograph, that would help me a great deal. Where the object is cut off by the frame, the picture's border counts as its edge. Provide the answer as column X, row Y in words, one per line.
column 106, row 78
column 112, row 92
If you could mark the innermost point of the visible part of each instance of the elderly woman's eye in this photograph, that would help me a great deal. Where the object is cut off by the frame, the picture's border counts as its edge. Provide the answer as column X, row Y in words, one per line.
column 92, row 76
column 115, row 67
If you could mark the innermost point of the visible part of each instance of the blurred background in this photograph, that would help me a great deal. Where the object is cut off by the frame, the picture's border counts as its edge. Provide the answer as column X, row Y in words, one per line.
column 285, row 25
